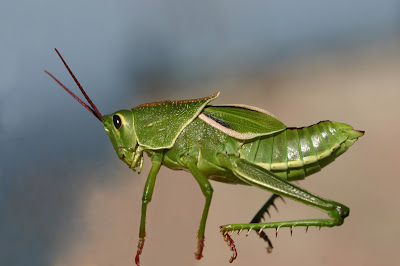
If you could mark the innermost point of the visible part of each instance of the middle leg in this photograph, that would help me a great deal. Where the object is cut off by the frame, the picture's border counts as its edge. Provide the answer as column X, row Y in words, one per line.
column 206, row 188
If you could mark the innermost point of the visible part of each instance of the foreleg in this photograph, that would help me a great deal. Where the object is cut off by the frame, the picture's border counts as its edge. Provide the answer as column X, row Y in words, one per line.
column 156, row 159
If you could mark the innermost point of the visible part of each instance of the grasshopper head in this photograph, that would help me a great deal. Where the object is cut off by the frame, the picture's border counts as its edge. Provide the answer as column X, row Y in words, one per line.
column 119, row 127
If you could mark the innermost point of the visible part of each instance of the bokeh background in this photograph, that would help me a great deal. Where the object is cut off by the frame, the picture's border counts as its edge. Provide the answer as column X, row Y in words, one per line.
column 66, row 198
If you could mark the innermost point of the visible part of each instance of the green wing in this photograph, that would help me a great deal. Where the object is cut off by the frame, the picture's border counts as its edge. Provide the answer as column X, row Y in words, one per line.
column 242, row 121
column 159, row 124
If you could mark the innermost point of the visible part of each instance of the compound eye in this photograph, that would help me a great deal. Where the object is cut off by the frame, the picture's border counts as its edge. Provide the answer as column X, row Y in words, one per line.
column 117, row 121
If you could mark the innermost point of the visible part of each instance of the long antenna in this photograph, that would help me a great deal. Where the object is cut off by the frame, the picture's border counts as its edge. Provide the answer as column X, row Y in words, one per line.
column 92, row 109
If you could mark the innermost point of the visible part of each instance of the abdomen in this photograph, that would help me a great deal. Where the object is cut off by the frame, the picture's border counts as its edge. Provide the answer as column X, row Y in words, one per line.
column 295, row 153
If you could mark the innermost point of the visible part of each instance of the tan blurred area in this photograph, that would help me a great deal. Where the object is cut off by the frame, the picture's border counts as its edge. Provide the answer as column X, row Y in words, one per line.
column 358, row 87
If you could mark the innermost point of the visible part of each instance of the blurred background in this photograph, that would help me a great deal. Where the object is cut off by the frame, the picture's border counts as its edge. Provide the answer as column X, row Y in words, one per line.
column 66, row 198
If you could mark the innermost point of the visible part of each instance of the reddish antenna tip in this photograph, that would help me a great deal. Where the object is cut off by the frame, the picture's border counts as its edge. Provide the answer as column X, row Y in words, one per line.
column 93, row 109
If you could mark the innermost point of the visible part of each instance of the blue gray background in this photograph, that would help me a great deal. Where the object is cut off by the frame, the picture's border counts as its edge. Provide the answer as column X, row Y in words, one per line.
column 66, row 199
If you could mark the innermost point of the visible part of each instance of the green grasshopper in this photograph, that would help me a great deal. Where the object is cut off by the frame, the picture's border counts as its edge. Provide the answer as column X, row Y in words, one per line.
column 235, row 144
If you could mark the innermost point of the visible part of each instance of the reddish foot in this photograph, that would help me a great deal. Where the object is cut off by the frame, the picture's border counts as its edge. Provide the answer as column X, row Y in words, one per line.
column 231, row 244
column 200, row 245
column 139, row 250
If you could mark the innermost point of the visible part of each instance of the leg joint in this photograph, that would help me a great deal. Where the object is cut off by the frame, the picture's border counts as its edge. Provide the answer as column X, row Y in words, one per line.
column 146, row 199
column 207, row 190
column 339, row 212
